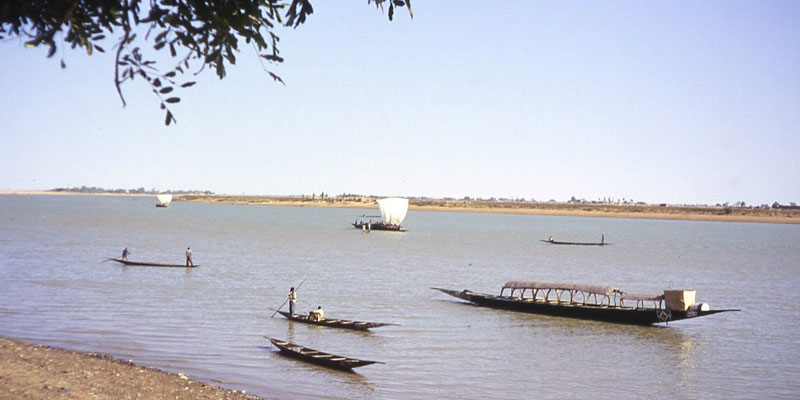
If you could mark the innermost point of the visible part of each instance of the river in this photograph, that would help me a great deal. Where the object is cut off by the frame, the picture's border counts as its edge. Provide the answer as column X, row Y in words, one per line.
column 209, row 322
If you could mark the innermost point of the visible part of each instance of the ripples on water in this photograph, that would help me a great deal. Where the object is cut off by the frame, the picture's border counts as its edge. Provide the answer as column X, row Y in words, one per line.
column 209, row 322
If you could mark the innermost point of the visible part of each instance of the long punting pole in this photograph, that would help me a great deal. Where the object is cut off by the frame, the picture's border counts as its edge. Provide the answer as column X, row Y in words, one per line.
column 287, row 299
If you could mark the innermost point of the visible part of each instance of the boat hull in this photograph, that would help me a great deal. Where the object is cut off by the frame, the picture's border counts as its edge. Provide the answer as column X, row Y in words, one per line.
column 576, row 243
column 334, row 323
column 146, row 264
column 379, row 226
column 318, row 357
column 620, row 315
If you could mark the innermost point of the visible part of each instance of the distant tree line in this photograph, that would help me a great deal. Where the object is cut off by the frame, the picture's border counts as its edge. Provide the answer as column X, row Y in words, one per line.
column 141, row 190
column 792, row 206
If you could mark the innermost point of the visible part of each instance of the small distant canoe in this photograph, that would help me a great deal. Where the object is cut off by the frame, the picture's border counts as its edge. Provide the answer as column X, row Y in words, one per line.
column 334, row 323
column 576, row 243
column 147, row 264
column 319, row 357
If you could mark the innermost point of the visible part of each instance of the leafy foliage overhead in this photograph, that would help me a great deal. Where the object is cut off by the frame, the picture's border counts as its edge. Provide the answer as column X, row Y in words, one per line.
column 197, row 34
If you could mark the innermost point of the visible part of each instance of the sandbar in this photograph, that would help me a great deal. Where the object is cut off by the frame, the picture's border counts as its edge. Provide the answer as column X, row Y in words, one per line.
column 637, row 211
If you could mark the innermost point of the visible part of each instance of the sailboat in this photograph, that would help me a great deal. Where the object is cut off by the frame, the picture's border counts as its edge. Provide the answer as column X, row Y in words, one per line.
column 393, row 212
column 163, row 200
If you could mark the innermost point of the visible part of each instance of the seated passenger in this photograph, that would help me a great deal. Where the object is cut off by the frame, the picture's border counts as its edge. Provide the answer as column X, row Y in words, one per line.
column 317, row 315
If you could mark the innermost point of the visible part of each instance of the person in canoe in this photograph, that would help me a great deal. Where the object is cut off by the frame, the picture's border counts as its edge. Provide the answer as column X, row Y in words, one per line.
column 317, row 315
column 125, row 253
column 189, row 257
column 292, row 300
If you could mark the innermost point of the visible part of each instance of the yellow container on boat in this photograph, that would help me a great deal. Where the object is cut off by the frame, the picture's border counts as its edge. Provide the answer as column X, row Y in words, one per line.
column 679, row 300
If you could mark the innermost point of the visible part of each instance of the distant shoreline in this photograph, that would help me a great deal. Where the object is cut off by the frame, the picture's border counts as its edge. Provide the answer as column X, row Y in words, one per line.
column 681, row 213
column 66, row 193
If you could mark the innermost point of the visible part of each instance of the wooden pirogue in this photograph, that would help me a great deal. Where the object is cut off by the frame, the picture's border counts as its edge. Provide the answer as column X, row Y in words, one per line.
column 602, row 303
column 149, row 264
column 319, row 357
column 334, row 323
column 602, row 242
column 575, row 243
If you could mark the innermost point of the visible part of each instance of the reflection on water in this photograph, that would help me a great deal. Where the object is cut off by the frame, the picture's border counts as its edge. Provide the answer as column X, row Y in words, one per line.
column 209, row 322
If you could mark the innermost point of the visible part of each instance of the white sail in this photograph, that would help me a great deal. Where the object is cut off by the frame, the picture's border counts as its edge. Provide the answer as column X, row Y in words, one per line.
column 163, row 200
column 393, row 210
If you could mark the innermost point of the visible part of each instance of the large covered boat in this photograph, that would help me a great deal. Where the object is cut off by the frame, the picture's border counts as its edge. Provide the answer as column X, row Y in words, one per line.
column 334, row 323
column 319, row 357
column 601, row 303
column 393, row 212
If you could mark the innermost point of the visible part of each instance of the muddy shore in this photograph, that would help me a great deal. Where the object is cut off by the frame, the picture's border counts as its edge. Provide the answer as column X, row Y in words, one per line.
column 30, row 371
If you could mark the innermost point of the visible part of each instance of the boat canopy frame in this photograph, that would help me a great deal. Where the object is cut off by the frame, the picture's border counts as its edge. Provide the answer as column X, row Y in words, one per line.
column 580, row 294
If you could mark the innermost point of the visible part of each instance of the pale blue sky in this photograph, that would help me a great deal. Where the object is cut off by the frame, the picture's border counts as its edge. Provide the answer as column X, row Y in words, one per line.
column 679, row 102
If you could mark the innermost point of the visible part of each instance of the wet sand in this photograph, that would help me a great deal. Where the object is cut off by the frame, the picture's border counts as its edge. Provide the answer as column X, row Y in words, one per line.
column 29, row 371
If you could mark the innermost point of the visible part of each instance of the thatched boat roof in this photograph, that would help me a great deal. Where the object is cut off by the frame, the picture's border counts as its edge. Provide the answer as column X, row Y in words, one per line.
column 642, row 296
column 599, row 289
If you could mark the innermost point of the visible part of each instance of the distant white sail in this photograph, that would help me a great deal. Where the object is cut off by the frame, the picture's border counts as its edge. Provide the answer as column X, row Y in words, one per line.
column 393, row 210
column 163, row 200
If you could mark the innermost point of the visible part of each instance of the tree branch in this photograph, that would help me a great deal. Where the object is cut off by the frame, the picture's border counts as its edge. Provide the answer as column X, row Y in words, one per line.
column 126, row 26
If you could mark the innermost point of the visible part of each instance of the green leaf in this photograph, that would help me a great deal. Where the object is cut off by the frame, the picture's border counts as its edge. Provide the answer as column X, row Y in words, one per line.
column 173, row 100
column 272, row 57
column 160, row 37
column 276, row 77
column 165, row 90
column 188, row 84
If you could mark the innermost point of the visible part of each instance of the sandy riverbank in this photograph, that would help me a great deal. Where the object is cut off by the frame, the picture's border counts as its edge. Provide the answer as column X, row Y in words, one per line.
column 66, row 193
column 29, row 371
column 687, row 213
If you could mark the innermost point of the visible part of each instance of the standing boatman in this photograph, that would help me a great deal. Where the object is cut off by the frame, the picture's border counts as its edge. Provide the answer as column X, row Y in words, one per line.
column 189, row 257
column 292, row 300
column 125, row 253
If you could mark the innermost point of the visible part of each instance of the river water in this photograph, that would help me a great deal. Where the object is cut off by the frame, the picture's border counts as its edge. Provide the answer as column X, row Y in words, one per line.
column 209, row 322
